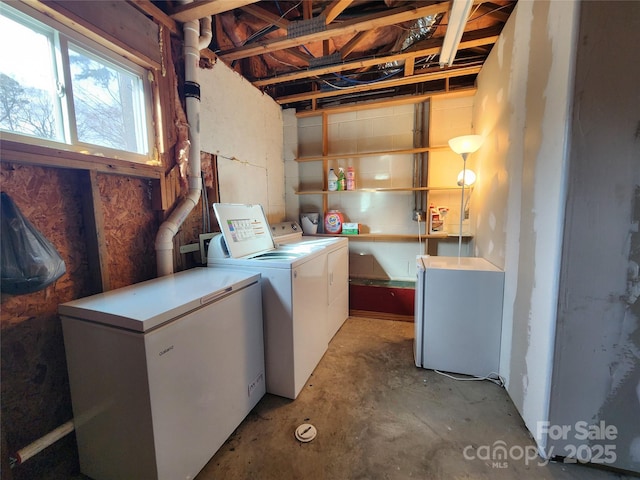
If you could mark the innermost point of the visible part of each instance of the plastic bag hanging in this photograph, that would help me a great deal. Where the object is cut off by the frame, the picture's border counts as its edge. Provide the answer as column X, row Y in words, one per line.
column 29, row 262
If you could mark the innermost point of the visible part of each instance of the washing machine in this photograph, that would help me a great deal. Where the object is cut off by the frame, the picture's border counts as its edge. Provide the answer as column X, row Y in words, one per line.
column 294, row 292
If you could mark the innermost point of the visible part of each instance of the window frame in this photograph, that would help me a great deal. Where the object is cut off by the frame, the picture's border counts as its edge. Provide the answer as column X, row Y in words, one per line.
column 51, row 149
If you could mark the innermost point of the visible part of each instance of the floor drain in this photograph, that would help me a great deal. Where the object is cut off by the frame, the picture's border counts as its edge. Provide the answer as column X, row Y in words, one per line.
column 306, row 432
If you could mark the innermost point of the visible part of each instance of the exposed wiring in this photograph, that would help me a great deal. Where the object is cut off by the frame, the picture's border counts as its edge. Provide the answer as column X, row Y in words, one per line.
column 366, row 82
column 419, row 236
column 292, row 8
column 283, row 62
column 206, row 217
column 335, row 86
column 498, row 381
column 479, row 16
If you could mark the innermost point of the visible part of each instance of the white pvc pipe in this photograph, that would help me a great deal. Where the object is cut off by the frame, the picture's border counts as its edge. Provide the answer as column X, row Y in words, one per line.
column 50, row 438
column 193, row 42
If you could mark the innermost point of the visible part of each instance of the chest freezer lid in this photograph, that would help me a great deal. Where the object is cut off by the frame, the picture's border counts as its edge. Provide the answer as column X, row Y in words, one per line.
column 146, row 305
column 244, row 227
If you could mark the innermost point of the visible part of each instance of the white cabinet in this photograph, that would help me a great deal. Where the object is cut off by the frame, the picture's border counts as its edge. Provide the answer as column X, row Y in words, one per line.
column 338, row 288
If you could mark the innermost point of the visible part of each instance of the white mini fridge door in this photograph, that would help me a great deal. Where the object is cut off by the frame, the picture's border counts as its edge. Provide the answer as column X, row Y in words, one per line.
column 458, row 315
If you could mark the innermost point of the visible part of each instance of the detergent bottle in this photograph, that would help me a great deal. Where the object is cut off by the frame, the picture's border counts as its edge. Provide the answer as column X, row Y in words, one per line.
column 332, row 181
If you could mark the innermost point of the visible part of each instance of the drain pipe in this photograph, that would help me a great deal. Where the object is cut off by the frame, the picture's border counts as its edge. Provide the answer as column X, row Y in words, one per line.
column 193, row 43
column 36, row 447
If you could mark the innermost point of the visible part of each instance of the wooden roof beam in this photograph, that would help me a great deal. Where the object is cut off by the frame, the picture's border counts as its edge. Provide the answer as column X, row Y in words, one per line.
column 154, row 12
column 349, row 27
column 425, row 77
column 204, row 8
column 267, row 16
column 351, row 45
column 335, row 9
column 485, row 36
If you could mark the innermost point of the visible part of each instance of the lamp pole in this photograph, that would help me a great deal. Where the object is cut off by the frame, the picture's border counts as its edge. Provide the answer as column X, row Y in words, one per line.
column 464, row 180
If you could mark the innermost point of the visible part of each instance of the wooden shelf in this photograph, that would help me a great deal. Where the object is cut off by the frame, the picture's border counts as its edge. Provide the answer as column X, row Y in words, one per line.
column 374, row 190
column 340, row 156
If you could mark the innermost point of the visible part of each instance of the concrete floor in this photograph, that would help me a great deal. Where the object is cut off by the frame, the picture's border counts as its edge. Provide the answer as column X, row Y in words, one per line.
column 380, row 417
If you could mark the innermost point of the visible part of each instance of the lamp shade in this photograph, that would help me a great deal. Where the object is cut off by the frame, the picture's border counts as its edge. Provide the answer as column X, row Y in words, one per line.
column 469, row 178
column 465, row 144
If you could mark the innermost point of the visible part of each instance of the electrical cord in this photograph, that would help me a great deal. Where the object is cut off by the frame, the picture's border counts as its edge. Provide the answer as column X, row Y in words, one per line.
column 498, row 381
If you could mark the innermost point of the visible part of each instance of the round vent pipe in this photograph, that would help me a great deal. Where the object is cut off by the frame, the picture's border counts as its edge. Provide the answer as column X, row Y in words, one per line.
column 194, row 41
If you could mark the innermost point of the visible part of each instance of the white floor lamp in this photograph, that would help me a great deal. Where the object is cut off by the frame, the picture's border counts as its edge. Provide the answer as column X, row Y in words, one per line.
column 464, row 146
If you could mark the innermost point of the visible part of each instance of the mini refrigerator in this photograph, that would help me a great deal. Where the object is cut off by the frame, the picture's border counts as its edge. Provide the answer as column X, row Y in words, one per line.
column 458, row 315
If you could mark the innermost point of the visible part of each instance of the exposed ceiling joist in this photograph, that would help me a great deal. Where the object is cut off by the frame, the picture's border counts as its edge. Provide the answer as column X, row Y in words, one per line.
column 302, row 51
column 349, row 27
column 267, row 16
column 354, row 42
column 336, row 8
column 205, row 8
column 425, row 77
column 428, row 47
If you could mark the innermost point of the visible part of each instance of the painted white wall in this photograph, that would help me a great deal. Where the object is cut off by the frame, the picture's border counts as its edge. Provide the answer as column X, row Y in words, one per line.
column 522, row 109
column 244, row 128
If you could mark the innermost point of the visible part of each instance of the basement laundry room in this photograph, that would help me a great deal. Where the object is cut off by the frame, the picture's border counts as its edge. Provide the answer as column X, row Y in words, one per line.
column 358, row 239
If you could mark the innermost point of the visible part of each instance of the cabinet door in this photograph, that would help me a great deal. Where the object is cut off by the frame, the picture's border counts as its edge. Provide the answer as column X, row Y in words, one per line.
column 338, row 288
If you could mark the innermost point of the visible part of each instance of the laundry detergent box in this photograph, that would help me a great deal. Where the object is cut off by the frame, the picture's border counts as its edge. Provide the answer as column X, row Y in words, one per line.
column 350, row 229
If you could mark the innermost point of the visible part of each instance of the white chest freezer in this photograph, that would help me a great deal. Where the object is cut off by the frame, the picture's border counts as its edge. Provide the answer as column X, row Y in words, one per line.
column 458, row 315
column 163, row 371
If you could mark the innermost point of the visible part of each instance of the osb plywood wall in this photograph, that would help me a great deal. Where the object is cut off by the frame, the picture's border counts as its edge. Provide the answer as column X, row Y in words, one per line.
column 34, row 383
column 130, row 229
column 35, row 392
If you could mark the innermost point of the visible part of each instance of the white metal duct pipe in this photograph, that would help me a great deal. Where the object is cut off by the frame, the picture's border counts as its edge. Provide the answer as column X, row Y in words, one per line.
column 164, row 239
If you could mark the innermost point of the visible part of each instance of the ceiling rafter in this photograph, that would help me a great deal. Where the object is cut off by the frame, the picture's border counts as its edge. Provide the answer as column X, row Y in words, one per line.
column 384, row 48
column 425, row 77
column 334, row 9
column 267, row 16
column 351, row 45
column 486, row 36
column 350, row 27
column 204, row 8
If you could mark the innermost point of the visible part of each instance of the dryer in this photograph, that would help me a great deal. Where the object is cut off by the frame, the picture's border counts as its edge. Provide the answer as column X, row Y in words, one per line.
column 295, row 295
column 337, row 251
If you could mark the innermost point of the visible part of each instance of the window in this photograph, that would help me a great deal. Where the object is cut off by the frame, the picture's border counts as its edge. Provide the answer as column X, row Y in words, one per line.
column 58, row 87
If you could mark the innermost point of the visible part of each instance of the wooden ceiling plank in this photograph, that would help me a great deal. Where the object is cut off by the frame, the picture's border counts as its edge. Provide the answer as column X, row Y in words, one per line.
column 307, row 9
column 205, row 8
column 305, row 57
column 469, row 40
column 267, row 16
column 387, row 102
column 335, row 9
column 158, row 15
column 425, row 77
column 349, row 27
column 409, row 66
column 351, row 45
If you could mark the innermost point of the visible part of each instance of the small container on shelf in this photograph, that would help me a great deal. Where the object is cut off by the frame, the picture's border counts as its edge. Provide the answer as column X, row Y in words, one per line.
column 333, row 221
column 332, row 181
column 341, row 180
column 351, row 178
column 350, row 229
